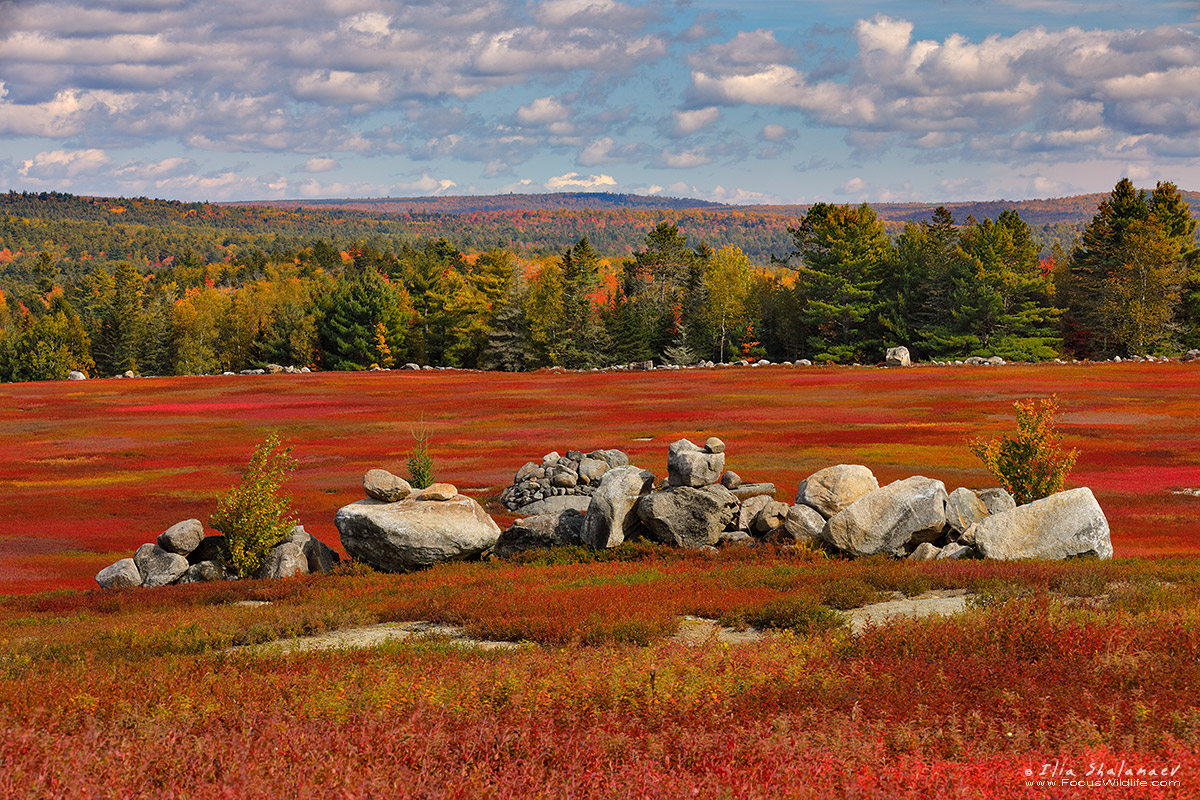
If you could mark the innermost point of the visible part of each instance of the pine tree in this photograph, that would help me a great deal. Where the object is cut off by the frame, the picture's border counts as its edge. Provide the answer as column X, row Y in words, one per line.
column 508, row 340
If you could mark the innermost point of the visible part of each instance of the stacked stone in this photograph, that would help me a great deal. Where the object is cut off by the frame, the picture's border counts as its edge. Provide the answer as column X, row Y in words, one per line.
column 183, row 554
column 576, row 474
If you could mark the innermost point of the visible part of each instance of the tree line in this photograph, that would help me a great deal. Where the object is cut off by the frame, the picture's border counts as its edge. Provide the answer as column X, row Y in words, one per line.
column 843, row 292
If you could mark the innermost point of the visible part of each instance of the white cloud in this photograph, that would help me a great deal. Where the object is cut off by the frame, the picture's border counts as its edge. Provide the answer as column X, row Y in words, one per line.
column 686, row 159
column 56, row 165
column 688, row 122
column 321, row 164
column 775, row 133
column 856, row 186
column 572, row 180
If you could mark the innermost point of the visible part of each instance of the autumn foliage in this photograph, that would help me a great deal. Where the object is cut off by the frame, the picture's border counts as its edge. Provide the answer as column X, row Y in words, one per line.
column 1033, row 464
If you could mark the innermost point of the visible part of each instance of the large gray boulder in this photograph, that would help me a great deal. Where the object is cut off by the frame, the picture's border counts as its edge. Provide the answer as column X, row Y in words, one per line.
column 205, row 571
column 182, row 537
column 891, row 518
column 964, row 509
column 211, row 548
column 614, row 458
column 771, row 517
column 1059, row 526
column 686, row 516
column 321, row 558
column 120, row 573
column 541, row 531
column 411, row 534
column 158, row 567
column 383, row 485
column 834, row 488
column 804, row 523
column 689, row 465
column 997, row 500
column 749, row 510
column 612, row 514
column 284, row 561
column 898, row 357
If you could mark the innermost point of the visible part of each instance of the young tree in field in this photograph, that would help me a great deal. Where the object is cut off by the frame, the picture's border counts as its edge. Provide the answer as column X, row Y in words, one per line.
column 728, row 285
column 1032, row 465
column 47, row 346
column 839, row 252
column 252, row 514
column 1141, row 295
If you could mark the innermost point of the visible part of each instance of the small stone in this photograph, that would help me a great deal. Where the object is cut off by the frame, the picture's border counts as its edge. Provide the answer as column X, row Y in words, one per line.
column 384, row 486
column 438, row 491
column 772, row 516
column 925, row 552
column 954, row 550
column 804, row 523
column 714, row 445
column 731, row 480
column 76, row 375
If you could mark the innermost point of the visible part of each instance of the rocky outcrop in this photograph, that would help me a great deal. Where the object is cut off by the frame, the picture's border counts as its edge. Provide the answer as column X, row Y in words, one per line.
column 1062, row 525
column 689, row 465
column 964, row 509
column 118, row 574
column 384, row 486
column 415, row 533
column 893, row 519
column 182, row 537
column 574, row 475
column 157, row 566
column 284, row 561
column 834, row 488
column 541, row 531
column 612, row 514
column 686, row 516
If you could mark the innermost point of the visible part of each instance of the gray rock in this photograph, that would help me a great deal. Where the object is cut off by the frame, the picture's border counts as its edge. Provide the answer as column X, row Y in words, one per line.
column 437, row 492
column 614, row 458
column 714, row 445
column 834, row 488
column 526, row 472
column 772, row 516
column 396, row 537
column 954, row 550
column 898, row 357
column 591, row 470
column 996, row 500
column 804, row 523
column 285, row 560
column 964, row 509
column 182, row 537
column 206, row 571
column 748, row 490
column 686, row 516
column 689, row 465
column 321, row 557
column 555, row 505
column 926, row 551
column 735, row 537
column 749, row 510
column 384, row 486
column 891, row 518
column 564, row 478
column 158, row 567
column 1059, row 526
column 119, row 573
column 967, row 539
column 76, row 375
column 731, row 480
column 551, row 458
column 211, row 548
column 541, row 531
column 612, row 514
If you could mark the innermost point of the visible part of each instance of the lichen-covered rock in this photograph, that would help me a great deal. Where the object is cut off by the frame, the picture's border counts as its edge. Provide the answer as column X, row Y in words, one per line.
column 556, row 505
column 954, row 550
column 804, row 523
column 284, row 561
column 182, row 537
column 748, row 490
column 891, row 518
column 925, row 551
column 686, row 516
column 591, row 470
column 321, row 557
column 689, row 465
column 770, row 517
column 157, row 566
column 1062, row 525
column 731, row 480
column 411, row 534
column 996, row 500
column 898, row 357
column 714, row 445
column 612, row 513
column 206, row 571
column 384, row 486
column 118, row 574
column 834, row 488
column 964, row 509
column 541, row 531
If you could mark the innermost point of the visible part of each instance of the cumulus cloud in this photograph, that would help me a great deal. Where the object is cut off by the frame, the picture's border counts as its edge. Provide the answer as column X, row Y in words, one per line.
column 1035, row 90
column 321, row 164
column 57, row 165
column 685, row 123
column 573, row 180
column 686, row 159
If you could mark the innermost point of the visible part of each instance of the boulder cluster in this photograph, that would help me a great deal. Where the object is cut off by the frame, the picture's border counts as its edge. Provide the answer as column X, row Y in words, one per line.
column 842, row 508
column 397, row 528
column 576, row 474
column 183, row 554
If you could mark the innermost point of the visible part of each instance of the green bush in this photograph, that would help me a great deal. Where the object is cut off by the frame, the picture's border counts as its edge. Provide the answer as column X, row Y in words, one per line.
column 1034, row 464
column 420, row 462
column 252, row 515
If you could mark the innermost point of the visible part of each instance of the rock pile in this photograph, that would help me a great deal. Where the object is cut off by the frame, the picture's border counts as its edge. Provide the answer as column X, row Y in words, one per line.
column 575, row 475
column 416, row 529
column 183, row 554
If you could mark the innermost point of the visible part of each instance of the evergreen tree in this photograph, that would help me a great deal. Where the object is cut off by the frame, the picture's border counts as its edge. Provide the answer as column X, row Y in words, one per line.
column 120, row 332
column 508, row 340
column 583, row 336
column 348, row 331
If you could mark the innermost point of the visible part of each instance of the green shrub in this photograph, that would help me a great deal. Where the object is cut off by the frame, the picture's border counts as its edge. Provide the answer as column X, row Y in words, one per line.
column 252, row 515
column 1033, row 465
column 420, row 462
column 798, row 612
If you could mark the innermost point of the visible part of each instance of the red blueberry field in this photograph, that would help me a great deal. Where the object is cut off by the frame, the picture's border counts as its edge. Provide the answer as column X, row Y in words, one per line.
column 1059, row 679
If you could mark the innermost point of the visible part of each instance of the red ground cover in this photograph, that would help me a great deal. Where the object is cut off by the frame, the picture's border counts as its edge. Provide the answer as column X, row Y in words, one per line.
column 88, row 471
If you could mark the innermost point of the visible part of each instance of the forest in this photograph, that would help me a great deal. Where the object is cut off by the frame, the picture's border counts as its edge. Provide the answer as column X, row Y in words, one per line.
column 106, row 286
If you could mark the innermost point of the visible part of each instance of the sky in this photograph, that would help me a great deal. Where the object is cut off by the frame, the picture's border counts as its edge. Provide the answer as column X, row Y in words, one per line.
column 758, row 101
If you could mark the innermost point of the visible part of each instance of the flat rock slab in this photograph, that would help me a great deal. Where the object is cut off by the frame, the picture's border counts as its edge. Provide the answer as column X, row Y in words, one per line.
column 555, row 505
column 698, row 630
column 939, row 603
column 375, row 635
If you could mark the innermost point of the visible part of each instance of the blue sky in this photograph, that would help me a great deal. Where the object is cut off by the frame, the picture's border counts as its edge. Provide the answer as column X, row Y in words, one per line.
column 743, row 102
